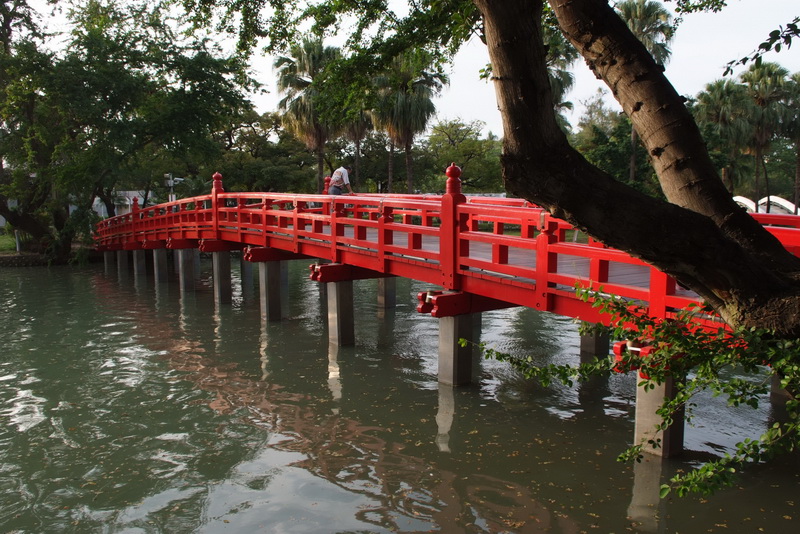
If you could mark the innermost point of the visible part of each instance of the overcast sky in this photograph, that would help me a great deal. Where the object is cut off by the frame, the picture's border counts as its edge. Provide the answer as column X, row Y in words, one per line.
column 702, row 47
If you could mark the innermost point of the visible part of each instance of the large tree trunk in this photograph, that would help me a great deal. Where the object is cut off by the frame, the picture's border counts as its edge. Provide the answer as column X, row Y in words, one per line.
column 701, row 237
column 25, row 221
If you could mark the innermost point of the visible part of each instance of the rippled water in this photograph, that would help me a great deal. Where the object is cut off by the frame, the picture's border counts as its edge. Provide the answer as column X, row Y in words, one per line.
column 130, row 408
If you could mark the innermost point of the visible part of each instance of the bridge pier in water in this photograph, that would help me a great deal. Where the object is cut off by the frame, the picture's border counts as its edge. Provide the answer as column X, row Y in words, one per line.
column 272, row 287
column 456, row 362
column 221, row 263
column 387, row 293
column 139, row 265
column 593, row 344
column 109, row 261
column 122, row 264
column 185, row 263
column 341, row 321
column 648, row 401
column 160, row 265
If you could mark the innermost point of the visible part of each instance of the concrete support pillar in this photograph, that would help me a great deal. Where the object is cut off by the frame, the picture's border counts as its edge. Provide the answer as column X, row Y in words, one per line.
column 341, row 325
column 647, row 402
column 109, row 261
column 246, row 276
column 387, row 292
column 593, row 345
column 122, row 264
column 455, row 361
column 139, row 266
column 221, row 262
column 186, row 271
column 160, row 265
column 270, row 288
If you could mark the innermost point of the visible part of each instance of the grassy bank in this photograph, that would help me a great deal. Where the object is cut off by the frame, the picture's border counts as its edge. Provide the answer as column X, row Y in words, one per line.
column 7, row 243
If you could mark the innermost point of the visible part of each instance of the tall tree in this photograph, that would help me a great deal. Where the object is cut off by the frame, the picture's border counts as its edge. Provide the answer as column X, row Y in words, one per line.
column 478, row 158
column 123, row 87
column 725, row 107
column 765, row 83
column 561, row 55
column 297, row 74
column 355, row 130
column 404, row 102
column 792, row 128
column 651, row 23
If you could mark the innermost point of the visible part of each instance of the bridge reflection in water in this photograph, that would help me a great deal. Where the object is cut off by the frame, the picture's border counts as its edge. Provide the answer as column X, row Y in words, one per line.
column 147, row 408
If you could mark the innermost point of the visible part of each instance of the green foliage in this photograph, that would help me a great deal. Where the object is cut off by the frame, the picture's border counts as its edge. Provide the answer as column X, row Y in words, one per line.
column 749, row 124
column 607, row 145
column 125, row 89
column 7, row 242
column 735, row 365
column 777, row 39
column 479, row 159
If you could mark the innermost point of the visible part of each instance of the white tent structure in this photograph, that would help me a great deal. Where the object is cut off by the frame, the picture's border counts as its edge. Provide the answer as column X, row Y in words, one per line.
column 776, row 205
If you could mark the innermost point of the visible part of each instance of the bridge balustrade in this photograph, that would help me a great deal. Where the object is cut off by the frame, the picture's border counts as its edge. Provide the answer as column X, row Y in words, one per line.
column 505, row 249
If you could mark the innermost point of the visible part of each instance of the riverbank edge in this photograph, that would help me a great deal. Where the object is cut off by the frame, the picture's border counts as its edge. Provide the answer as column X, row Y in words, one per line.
column 32, row 259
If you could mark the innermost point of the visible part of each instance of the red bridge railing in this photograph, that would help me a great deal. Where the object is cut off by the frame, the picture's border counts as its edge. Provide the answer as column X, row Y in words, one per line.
column 502, row 251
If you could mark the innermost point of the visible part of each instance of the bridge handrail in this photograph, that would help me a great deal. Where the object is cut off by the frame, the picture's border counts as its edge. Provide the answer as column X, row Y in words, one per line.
column 498, row 247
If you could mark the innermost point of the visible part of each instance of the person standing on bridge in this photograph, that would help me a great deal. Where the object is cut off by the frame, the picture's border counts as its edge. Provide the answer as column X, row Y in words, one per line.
column 340, row 180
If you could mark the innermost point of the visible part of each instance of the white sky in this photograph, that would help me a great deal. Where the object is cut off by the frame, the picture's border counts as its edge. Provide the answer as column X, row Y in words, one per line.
column 701, row 48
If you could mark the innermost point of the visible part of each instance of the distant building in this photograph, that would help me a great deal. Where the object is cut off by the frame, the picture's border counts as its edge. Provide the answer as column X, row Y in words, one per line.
column 123, row 203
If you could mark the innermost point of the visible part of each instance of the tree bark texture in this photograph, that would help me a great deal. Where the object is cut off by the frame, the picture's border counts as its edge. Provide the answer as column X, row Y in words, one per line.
column 700, row 236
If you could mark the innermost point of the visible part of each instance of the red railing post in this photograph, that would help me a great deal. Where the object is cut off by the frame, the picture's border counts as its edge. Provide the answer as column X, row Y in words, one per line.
column 661, row 286
column 546, row 261
column 216, row 189
column 452, row 224
column 134, row 216
column 326, row 206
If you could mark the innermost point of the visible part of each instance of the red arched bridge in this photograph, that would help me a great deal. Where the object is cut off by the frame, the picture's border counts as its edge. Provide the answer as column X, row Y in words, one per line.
column 486, row 252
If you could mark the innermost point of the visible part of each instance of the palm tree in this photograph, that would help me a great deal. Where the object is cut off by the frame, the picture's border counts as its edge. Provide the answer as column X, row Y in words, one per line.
column 560, row 57
column 355, row 130
column 296, row 76
column 766, row 85
column 404, row 104
column 725, row 106
column 651, row 23
column 792, row 127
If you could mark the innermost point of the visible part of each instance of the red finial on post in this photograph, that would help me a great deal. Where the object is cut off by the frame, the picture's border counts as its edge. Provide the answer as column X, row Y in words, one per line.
column 327, row 181
column 135, row 204
column 217, row 183
column 453, row 184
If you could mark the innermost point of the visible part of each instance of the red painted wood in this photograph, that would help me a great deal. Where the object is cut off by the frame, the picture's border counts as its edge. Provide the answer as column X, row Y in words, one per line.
column 499, row 251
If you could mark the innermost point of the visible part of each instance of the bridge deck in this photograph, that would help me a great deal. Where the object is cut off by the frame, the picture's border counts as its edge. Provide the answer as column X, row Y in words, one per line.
column 504, row 249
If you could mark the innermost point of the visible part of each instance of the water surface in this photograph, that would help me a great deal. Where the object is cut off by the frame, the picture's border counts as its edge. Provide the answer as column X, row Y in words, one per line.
column 132, row 408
